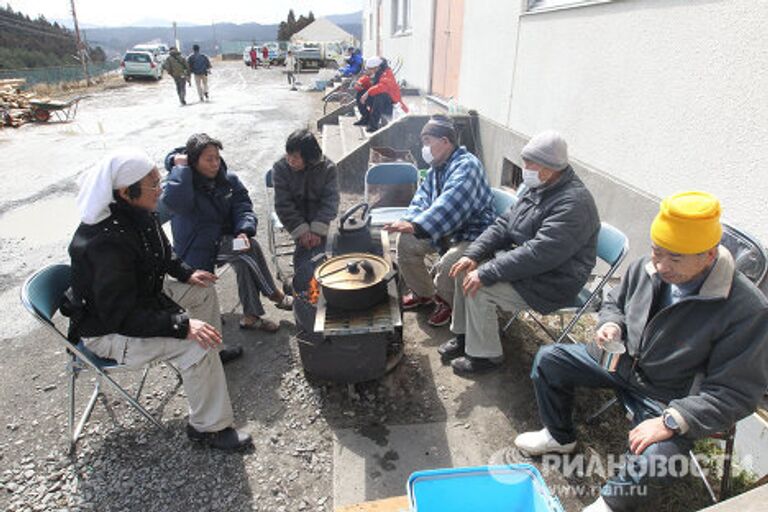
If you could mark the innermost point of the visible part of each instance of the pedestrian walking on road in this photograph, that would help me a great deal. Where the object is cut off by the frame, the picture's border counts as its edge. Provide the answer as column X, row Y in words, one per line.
column 200, row 66
column 265, row 56
column 290, row 68
column 254, row 57
column 177, row 67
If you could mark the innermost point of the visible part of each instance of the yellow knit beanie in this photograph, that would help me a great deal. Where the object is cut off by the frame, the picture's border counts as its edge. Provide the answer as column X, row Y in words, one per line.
column 688, row 223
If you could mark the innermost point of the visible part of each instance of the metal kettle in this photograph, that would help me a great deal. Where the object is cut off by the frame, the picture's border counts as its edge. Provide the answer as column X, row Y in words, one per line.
column 354, row 231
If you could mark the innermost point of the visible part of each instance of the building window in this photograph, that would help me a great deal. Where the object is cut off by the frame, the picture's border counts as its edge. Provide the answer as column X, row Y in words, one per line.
column 546, row 5
column 401, row 17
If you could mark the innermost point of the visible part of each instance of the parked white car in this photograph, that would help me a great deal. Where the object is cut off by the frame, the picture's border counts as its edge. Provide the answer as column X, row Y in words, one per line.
column 159, row 50
column 140, row 64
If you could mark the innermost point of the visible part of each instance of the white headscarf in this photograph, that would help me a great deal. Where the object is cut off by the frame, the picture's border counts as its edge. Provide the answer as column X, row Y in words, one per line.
column 120, row 169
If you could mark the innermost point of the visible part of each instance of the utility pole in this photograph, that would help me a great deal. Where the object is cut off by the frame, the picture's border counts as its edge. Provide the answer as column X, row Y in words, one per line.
column 175, row 37
column 80, row 46
column 213, row 26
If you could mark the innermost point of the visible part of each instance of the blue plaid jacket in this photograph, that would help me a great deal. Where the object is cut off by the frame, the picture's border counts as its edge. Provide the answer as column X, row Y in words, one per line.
column 454, row 200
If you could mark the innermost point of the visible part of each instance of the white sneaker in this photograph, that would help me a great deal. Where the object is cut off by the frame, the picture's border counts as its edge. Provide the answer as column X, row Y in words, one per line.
column 540, row 442
column 598, row 506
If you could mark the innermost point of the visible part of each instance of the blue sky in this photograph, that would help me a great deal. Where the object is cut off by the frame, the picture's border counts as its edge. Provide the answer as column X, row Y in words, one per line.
column 113, row 13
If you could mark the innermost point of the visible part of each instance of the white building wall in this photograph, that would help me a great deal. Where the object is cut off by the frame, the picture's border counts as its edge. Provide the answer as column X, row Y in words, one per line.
column 488, row 57
column 664, row 95
column 413, row 49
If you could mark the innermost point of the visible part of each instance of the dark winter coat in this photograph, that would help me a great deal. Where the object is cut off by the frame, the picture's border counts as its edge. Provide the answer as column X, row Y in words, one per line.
column 118, row 268
column 547, row 243
column 716, row 339
column 306, row 200
column 203, row 210
column 199, row 63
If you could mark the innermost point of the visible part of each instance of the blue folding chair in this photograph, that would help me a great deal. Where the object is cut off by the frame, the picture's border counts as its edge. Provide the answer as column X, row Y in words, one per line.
column 612, row 248
column 392, row 181
column 42, row 294
column 502, row 200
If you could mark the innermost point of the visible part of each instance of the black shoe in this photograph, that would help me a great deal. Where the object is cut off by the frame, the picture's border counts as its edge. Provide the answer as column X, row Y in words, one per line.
column 206, row 96
column 371, row 129
column 183, row 102
column 468, row 365
column 228, row 439
column 230, row 354
column 452, row 348
column 361, row 122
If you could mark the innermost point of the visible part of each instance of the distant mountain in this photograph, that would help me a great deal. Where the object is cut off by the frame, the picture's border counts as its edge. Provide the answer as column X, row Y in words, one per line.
column 116, row 40
column 353, row 18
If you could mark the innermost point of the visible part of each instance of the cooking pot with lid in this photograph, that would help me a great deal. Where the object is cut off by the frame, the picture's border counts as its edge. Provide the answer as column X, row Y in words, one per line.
column 354, row 281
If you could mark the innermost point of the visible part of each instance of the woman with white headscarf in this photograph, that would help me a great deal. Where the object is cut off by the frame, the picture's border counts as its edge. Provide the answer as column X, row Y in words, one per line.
column 120, row 257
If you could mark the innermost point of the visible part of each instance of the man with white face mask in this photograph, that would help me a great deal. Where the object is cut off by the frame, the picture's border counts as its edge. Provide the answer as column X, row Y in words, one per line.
column 452, row 206
column 538, row 255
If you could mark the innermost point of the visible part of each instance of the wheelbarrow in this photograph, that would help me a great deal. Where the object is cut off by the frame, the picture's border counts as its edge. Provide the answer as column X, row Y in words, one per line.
column 62, row 111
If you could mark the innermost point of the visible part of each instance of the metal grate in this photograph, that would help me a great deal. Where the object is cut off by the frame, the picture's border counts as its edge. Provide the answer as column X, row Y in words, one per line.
column 383, row 317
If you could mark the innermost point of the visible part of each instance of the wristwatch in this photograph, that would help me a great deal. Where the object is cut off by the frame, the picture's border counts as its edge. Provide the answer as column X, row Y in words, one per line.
column 670, row 422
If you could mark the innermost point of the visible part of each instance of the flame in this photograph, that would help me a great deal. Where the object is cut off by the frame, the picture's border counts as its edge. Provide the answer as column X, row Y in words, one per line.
column 314, row 291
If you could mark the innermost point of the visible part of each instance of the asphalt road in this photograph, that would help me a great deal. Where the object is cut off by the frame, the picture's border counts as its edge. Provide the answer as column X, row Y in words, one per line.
column 251, row 112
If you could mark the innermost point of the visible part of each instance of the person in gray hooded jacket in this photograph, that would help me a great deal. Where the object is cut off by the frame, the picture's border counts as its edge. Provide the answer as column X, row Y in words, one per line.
column 695, row 332
column 538, row 255
column 306, row 194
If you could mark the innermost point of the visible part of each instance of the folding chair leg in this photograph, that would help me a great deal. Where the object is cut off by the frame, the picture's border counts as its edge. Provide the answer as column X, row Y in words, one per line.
column 725, row 484
column 703, row 476
column 607, row 405
column 544, row 328
column 566, row 332
column 176, row 371
column 509, row 324
column 71, row 412
column 86, row 413
column 141, row 382
column 136, row 405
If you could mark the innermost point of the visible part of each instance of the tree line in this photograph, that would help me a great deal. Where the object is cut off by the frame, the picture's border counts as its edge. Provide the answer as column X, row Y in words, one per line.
column 291, row 25
column 28, row 43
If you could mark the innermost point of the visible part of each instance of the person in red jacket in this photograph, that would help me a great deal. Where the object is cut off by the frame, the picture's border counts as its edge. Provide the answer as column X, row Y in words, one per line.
column 254, row 57
column 377, row 91
column 265, row 56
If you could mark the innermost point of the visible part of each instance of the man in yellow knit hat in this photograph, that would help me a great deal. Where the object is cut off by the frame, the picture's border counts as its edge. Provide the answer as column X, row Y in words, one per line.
column 695, row 331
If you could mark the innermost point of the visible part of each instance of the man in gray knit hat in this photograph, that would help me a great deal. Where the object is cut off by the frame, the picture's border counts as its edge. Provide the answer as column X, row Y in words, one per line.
column 538, row 255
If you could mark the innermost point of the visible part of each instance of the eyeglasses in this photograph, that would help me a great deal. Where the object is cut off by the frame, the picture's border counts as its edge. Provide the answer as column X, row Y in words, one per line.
column 154, row 188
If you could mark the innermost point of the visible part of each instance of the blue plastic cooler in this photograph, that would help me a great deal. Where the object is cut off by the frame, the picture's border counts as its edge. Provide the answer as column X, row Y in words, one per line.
column 510, row 488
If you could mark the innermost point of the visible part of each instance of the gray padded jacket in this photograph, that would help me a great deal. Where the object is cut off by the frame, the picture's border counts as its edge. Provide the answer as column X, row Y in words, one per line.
column 545, row 245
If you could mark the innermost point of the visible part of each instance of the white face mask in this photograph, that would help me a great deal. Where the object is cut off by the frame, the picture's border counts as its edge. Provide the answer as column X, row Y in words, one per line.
column 531, row 178
column 426, row 154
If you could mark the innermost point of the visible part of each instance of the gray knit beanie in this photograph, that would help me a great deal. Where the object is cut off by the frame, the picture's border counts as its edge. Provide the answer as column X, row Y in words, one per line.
column 548, row 149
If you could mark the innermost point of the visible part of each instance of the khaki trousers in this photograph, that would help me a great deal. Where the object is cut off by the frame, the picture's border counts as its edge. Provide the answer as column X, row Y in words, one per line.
column 205, row 384
column 201, row 82
column 475, row 317
column 411, row 253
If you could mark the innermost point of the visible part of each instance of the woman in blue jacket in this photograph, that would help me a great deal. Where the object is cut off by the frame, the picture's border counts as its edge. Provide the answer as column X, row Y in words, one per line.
column 213, row 223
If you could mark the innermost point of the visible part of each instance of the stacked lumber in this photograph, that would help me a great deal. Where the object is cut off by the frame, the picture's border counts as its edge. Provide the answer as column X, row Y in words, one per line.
column 14, row 104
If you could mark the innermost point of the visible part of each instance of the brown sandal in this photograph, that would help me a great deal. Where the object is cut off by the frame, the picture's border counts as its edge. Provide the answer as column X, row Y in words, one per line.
column 260, row 323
